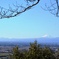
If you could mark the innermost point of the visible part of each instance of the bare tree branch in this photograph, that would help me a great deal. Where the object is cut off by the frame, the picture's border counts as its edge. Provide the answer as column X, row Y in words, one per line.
column 53, row 8
column 7, row 13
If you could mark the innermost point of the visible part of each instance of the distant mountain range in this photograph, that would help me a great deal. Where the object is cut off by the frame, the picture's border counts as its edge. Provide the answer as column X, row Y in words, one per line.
column 39, row 40
column 25, row 42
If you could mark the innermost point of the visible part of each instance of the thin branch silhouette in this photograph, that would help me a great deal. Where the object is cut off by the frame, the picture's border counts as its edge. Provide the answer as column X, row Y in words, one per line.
column 8, row 13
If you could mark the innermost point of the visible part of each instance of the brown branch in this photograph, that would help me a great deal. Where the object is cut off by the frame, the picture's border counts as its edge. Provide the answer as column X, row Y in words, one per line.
column 14, row 12
column 53, row 8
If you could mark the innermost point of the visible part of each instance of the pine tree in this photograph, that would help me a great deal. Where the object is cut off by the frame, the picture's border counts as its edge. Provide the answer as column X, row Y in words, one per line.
column 15, row 53
column 47, row 53
column 34, row 51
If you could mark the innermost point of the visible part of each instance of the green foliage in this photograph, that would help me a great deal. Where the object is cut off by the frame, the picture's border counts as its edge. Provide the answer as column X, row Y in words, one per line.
column 35, row 52
column 16, row 53
column 47, row 53
column 57, row 54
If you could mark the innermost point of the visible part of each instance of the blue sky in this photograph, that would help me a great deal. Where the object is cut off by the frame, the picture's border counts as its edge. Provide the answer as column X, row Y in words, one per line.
column 34, row 23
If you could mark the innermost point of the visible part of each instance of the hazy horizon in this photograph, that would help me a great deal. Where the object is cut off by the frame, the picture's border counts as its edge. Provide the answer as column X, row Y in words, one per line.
column 28, row 40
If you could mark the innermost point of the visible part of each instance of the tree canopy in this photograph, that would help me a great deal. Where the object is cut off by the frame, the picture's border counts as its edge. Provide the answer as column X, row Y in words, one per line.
column 35, row 51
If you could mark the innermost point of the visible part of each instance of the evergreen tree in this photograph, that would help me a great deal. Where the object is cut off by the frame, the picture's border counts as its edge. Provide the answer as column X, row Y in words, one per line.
column 15, row 53
column 47, row 53
column 34, row 51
